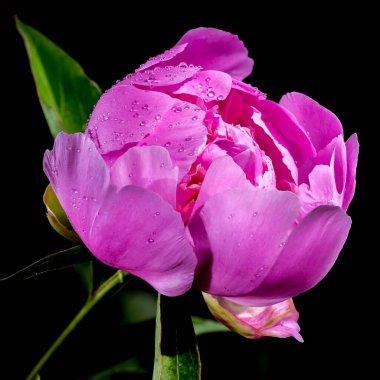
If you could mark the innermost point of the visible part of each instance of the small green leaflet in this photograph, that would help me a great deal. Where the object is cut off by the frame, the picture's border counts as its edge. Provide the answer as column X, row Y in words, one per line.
column 176, row 354
column 66, row 94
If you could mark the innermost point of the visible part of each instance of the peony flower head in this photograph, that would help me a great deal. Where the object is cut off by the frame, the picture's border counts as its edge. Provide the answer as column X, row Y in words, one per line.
column 186, row 176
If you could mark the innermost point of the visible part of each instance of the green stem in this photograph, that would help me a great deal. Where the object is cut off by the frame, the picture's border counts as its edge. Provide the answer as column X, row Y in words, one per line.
column 99, row 293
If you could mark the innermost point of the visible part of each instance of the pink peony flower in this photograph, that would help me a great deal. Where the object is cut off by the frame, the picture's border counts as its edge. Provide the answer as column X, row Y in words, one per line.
column 278, row 320
column 185, row 172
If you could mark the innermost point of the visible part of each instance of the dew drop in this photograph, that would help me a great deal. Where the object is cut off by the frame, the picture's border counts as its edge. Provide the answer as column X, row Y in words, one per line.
column 186, row 107
column 150, row 240
column 255, row 214
column 142, row 124
column 167, row 144
column 93, row 199
column 145, row 107
column 176, row 109
column 197, row 109
column 78, row 150
column 130, row 175
column 75, row 191
column 194, row 118
column 282, row 244
column 220, row 97
column 162, row 165
column 188, row 138
column 181, row 149
column 183, row 65
column 200, row 85
column 85, row 198
column 230, row 216
column 158, row 117
column 156, row 213
column 211, row 94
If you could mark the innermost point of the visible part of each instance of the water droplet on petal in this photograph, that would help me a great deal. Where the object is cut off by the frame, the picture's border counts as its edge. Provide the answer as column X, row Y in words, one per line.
column 142, row 124
column 220, row 97
column 150, row 240
column 130, row 175
column 156, row 213
column 197, row 109
column 188, row 138
column 145, row 107
column 194, row 118
column 158, row 117
column 75, row 191
column 282, row 244
column 183, row 65
column 85, row 198
column 230, row 216
column 255, row 214
column 181, row 149
column 167, row 144
column 211, row 94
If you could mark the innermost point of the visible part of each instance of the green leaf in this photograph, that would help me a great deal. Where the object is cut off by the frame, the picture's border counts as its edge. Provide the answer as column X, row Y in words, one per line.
column 206, row 326
column 131, row 365
column 55, row 261
column 176, row 354
column 57, row 216
column 66, row 94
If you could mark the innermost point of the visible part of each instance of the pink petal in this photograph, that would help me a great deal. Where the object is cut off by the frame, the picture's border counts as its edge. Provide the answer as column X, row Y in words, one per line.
column 279, row 320
column 182, row 133
column 352, row 147
column 79, row 177
column 244, row 230
column 322, row 190
column 308, row 255
column 165, row 56
column 209, row 85
column 138, row 232
column 161, row 76
column 282, row 160
column 320, row 123
column 125, row 115
column 215, row 49
column 223, row 174
column 339, row 165
column 149, row 167
column 286, row 130
column 134, row 229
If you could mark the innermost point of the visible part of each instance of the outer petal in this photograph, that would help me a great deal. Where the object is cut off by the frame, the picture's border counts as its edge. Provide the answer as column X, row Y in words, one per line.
column 306, row 258
column 79, row 177
column 137, row 231
column 161, row 76
column 165, row 56
column 279, row 320
column 244, row 229
column 134, row 230
column 216, row 50
column 352, row 147
column 320, row 123
column 149, row 167
column 125, row 115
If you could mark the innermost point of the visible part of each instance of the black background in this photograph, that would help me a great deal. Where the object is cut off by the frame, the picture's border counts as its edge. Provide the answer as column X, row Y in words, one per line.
column 327, row 55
